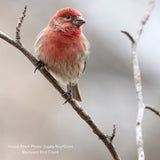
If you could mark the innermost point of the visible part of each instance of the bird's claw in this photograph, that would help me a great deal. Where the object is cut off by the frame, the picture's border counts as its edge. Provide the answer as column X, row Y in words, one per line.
column 69, row 96
column 39, row 64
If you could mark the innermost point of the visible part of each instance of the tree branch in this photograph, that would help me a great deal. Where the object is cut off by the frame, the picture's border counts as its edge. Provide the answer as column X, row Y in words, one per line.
column 113, row 133
column 129, row 36
column 138, row 82
column 152, row 108
column 16, row 43
column 19, row 24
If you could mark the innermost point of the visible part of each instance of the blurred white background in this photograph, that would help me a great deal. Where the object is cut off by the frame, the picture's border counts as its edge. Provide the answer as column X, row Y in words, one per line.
column 31, row 110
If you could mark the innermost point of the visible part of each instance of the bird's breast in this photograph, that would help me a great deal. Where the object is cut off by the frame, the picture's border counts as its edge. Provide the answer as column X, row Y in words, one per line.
column 65, row 57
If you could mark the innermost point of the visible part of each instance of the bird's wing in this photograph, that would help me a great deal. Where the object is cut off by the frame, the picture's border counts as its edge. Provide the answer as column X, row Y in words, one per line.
column 38, row 41
column 86, row 51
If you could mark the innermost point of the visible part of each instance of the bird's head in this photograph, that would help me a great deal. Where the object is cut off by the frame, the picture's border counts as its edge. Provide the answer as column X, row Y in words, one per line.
column 67, row 20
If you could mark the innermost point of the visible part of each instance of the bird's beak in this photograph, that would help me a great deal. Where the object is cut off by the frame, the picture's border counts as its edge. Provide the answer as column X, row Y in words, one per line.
column 78, row 21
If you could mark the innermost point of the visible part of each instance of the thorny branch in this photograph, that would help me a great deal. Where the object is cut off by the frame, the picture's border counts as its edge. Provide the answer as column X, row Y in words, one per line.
column 16, row 43
column 138, row 82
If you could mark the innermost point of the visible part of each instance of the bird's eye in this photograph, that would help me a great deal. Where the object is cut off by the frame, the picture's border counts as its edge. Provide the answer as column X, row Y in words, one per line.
column 68, row 17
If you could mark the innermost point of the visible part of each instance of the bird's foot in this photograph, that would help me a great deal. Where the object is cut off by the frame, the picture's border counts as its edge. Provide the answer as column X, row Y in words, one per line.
column 39, row 64
column 68, row 95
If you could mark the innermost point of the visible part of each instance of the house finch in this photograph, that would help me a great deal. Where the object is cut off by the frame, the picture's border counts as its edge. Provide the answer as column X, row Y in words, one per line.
column 63, row 48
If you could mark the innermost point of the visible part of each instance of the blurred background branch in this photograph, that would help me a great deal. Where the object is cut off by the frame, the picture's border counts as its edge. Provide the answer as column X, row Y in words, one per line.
column 153, row 109
column 138, row 80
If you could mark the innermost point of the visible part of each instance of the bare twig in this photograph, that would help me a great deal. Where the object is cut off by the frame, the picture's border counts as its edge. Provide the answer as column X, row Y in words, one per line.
column 19, row 24
column 16, row 43
column 152, row 108
column 113, row 133
column 138, row 82
column 129, row 36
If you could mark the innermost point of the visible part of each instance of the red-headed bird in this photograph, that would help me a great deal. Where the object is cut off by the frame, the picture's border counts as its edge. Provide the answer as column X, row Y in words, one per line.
column 64, row 49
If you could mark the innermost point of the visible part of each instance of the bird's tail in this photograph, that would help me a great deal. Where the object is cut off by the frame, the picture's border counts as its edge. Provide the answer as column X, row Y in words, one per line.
column 75, row 92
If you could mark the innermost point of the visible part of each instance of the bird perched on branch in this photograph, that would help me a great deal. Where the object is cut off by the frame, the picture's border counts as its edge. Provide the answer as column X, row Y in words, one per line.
column 63, row 48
